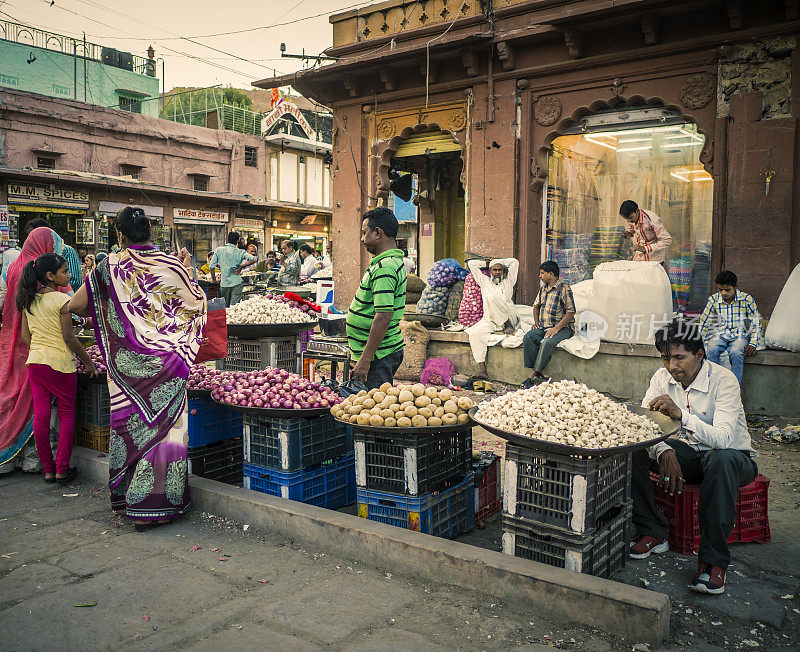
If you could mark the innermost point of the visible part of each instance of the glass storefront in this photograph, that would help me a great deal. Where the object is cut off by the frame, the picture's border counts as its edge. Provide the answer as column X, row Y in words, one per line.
column 591, row 174
column 199, row 239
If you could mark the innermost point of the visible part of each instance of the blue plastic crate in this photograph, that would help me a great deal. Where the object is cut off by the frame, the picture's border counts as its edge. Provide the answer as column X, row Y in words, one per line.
column 330, row 485
column 294, row 444
column 445, row 514
column 210, row 422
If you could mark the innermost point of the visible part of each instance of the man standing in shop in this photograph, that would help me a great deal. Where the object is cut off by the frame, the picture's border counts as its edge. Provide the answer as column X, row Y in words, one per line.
column 290, row 264
column 230, row 260
column 373, row 330
column 650, row 237
column 553, row 314
column 309, row 265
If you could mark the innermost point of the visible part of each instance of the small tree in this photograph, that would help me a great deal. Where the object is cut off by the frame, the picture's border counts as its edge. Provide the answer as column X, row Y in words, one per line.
column 235, row 97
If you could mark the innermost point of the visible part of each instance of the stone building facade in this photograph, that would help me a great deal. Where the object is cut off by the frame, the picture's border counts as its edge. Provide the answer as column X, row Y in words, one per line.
column 521, row 121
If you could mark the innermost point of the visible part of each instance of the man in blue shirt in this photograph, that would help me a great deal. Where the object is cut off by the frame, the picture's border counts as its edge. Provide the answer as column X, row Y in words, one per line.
column 230, row 260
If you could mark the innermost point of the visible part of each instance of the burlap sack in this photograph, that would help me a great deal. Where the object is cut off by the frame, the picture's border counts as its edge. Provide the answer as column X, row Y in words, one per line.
column 454, row 301
column 414, row 283
column 415, row 339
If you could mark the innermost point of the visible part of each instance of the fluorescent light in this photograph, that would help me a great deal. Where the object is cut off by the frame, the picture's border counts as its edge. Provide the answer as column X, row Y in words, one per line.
column 597, row 142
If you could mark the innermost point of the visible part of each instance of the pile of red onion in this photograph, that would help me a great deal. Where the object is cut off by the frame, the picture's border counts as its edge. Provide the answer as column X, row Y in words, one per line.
column 97, row 358
column 202, row 377
column 271, row 388
column 294, row 304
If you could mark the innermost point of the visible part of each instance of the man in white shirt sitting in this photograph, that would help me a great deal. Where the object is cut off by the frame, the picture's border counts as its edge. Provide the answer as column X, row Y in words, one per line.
column 713, row 450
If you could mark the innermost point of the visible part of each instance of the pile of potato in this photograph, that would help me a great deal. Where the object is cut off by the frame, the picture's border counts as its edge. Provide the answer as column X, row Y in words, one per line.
column 408, row 406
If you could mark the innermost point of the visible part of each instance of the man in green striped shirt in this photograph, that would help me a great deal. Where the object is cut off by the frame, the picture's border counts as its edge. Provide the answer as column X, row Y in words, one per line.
column 373, row 331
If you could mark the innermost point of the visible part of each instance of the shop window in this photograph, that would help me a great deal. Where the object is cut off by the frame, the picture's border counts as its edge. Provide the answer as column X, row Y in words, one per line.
column 130, row 104
column 201, row 184
column 251, row 157
column 130, row 171
column 45, row 163
column 591, row 174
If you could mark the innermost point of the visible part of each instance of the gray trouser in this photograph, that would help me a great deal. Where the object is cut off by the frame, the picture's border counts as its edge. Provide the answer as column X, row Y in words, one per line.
column 232, row 294
column 383, row 370
column 538, row 349
column 719, row 472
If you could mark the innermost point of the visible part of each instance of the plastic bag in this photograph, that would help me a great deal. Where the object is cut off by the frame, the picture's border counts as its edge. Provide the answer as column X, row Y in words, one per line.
column 783, row 329
column 446, row 272
column 438, row 371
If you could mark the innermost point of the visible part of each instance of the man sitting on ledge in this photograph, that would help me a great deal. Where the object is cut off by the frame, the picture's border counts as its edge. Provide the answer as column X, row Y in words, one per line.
column 713, row 450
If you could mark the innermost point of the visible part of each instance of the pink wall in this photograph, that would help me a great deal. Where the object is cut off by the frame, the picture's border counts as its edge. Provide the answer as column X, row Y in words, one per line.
column 96, row 139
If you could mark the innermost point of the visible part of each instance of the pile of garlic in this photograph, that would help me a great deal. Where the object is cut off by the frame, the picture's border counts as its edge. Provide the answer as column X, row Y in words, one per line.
column 260, row 310
column 407, row 406
column 567, row 413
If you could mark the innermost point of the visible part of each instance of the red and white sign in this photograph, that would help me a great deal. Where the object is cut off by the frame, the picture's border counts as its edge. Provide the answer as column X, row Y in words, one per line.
column 195, row 216
column 281, row 110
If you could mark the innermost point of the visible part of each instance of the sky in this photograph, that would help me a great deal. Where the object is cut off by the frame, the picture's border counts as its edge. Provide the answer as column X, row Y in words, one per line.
column 231, row 59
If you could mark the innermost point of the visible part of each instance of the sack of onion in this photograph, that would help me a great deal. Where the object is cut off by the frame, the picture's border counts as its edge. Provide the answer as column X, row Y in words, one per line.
column 407, row 406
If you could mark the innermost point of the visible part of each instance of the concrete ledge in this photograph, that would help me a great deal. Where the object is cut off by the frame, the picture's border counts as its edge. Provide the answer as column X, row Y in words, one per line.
column 635, row 614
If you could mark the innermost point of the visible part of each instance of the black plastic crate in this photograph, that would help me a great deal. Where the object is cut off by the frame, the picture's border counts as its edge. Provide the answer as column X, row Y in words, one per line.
column 254, row 355
column 220, row 461
column 93, row 404
column 294, row 444
column 571, row 492
column 602, row 553
column 413, row 464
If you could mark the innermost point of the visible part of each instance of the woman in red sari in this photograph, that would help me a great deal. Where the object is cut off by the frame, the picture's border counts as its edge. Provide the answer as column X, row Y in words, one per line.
column 16, row 401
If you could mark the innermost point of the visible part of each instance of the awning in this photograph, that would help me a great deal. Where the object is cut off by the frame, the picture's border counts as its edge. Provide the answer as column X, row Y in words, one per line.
column 23, row 208
column 432, row 142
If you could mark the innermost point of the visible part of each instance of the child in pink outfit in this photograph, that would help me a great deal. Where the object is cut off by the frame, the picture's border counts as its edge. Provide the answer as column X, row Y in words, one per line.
column 47, row 330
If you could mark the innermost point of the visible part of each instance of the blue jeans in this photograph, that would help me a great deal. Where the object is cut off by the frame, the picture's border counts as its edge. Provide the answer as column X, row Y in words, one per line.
column 735, row 348
column 383, row 370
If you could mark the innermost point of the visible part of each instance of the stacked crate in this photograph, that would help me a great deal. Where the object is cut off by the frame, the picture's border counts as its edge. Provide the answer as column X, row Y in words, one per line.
column 418, row 481
column 488, row 490
column 570, row 511
column 257, row 354
column 92, row 415
column 215, row 441
column 305, row 459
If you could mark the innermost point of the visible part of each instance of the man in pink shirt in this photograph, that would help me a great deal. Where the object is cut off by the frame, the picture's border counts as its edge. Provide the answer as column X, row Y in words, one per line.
column 651, row 238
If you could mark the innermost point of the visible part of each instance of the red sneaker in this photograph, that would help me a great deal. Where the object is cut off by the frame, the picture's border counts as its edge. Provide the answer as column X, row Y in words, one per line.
column 708, row 579
column 647, row 545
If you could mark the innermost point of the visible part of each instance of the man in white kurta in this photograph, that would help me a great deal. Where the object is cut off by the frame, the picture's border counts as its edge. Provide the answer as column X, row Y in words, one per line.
column 497, row 291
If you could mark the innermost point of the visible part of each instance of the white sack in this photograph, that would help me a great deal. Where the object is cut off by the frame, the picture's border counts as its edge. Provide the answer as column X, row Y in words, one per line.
column 783, row 329
column 634, row 298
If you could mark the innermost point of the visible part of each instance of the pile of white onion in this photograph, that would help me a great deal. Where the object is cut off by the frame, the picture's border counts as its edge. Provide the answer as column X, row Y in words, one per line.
column 567, row 413
column 261, row 310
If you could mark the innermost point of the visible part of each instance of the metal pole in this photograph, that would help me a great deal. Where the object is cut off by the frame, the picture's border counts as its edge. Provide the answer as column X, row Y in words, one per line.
column 74, row 70
column 84, row 66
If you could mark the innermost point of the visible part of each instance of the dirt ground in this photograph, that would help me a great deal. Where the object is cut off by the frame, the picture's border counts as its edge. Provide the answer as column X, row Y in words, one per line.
column 761, row 606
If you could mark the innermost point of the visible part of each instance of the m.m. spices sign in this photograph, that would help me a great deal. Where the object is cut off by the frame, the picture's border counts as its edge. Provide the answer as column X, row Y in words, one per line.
column 35, row 194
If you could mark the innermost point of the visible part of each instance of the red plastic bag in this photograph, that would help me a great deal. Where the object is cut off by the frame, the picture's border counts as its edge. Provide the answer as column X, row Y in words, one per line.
column 215, row 337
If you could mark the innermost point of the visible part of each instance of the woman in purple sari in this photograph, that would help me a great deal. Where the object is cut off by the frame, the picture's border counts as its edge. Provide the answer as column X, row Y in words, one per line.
column 149, row 317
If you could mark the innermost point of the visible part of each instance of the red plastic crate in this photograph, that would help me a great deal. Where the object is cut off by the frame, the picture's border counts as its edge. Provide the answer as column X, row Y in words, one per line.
column 488, row 490
column 752, row 520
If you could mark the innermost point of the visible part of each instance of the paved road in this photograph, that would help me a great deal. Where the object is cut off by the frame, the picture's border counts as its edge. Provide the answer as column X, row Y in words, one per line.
column 206, row 584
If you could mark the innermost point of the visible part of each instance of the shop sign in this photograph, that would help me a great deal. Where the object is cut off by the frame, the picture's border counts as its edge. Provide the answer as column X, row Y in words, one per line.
column 195, row 216
column 113, row 207
column 36, row 194
column 249, row 223
column 4, row 227
column 280, row 111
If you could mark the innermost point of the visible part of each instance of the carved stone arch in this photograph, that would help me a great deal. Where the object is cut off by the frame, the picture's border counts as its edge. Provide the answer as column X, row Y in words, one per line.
column 386, row 149
column 564, row 126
